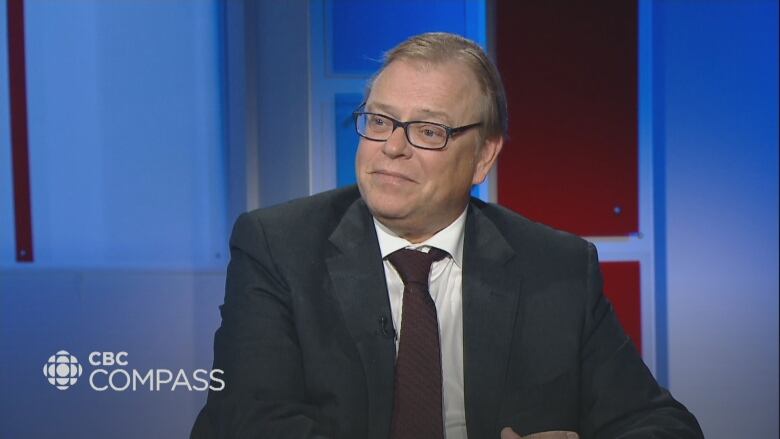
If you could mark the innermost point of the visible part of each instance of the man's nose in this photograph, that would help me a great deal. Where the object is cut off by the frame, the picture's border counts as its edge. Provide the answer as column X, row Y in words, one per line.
column 397, row 145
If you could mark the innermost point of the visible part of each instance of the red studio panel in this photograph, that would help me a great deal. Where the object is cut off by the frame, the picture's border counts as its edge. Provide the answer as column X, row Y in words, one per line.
column 17, row 86
column 570, row 70
column 622, row 288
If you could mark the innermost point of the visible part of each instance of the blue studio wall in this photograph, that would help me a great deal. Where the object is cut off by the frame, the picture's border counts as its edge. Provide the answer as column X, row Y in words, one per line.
column 129, row 219
column 126, row 154
column 715, row 108
column 129, row 162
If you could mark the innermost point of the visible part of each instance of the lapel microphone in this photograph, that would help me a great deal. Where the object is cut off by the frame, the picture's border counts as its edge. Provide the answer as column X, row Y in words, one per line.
column 386, row 329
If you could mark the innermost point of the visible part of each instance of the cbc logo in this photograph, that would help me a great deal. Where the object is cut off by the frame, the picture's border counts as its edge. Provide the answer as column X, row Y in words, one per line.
column 108, row 359
column 62, row 370
column 111, row 371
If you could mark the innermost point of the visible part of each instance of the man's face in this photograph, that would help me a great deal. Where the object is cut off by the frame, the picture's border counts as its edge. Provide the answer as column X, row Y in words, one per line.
column 417, row 192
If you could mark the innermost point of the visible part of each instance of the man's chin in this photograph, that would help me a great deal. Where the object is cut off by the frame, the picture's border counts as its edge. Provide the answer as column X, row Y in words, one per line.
column 388, row 213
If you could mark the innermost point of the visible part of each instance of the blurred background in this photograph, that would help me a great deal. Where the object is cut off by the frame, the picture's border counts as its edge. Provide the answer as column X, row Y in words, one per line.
column 133, row 132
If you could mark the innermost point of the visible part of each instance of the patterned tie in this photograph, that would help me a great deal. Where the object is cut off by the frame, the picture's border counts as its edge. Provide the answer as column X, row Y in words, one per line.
column 417, row 409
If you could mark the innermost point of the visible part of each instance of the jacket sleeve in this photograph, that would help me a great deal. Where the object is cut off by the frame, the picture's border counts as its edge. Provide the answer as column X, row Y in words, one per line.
column 620, row 397
column 257, row 348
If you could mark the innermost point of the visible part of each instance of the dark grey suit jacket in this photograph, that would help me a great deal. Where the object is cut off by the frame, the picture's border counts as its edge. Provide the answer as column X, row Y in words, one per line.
column 305, row 354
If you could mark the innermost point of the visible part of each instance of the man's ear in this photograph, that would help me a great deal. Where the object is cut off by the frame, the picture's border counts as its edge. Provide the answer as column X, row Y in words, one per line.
column 486, row 157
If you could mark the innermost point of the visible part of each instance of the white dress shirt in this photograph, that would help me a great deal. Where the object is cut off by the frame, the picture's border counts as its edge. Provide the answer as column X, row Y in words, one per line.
column 446, row 290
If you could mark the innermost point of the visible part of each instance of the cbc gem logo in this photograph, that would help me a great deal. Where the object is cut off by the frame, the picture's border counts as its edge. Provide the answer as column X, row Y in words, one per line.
column 62, row 370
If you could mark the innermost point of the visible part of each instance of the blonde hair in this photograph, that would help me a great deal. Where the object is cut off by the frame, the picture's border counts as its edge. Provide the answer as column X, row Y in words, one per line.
column 440, row 47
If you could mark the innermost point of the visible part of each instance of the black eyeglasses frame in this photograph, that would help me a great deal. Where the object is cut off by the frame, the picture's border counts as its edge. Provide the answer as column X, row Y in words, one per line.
column 397, row 123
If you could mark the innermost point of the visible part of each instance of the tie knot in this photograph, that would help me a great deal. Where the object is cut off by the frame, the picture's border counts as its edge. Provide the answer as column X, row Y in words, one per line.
column 415, row 266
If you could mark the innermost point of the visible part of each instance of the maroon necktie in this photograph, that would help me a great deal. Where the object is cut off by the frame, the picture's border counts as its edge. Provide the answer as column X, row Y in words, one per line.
column 417, row 408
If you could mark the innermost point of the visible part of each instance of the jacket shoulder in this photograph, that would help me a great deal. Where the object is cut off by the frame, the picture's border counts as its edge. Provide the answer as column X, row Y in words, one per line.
column 528, row 237
column 319, row 211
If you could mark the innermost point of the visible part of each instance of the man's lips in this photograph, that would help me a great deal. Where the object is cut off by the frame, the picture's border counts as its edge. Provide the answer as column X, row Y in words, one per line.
column 393, row 174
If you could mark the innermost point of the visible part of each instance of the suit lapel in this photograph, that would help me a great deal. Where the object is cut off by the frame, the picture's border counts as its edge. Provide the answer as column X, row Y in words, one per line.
column 491, row 285
column 356, row 271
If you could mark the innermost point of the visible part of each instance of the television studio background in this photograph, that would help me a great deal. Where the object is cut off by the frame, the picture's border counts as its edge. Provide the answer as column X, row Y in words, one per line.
column 133, row 132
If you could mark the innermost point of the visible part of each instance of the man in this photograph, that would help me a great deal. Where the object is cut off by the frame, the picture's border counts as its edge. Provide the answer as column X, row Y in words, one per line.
column 404, row 309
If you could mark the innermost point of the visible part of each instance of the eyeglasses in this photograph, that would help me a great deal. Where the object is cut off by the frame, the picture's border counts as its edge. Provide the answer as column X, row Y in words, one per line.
column 420, row 134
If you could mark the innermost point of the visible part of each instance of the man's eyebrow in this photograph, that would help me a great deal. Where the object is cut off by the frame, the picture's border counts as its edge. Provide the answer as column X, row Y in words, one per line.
column 378, row 106
column 392, row 111
column 437, row 114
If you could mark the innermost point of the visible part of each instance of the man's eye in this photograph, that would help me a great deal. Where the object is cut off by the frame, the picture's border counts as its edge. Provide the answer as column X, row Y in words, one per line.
column 378, row 121
column 432, row 132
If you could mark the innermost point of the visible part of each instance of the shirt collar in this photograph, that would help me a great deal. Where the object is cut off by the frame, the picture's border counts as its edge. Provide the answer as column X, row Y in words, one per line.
column 449, row 239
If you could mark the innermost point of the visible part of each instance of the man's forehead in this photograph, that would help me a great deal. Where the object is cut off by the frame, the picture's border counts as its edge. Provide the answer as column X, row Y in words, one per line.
column 440, row 87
